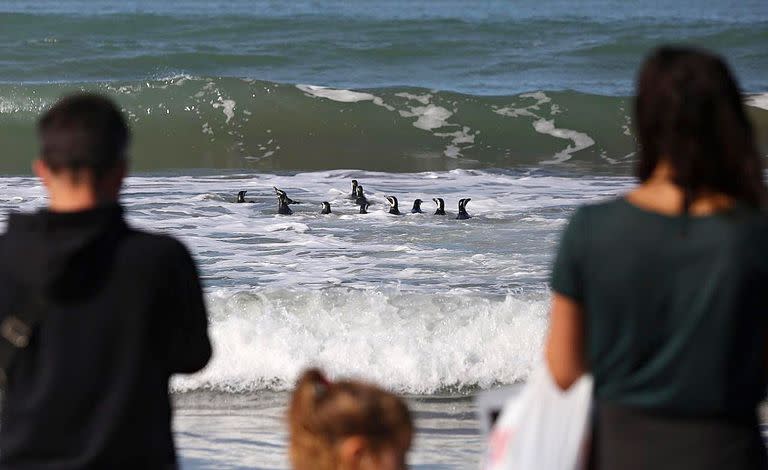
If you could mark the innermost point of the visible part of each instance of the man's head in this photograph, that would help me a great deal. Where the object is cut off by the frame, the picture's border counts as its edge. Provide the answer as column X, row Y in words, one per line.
column 83, row 144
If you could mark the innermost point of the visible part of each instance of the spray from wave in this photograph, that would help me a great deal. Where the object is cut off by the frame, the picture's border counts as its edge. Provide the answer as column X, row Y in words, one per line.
column 412, row 343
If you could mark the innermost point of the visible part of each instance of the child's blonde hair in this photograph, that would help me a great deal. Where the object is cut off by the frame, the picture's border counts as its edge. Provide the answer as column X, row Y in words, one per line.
column 323, row 413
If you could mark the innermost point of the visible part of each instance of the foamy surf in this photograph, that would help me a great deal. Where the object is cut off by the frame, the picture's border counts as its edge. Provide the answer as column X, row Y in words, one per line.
column 536, row 110
column 758, row 101
column 418, row 302
column 413, row 343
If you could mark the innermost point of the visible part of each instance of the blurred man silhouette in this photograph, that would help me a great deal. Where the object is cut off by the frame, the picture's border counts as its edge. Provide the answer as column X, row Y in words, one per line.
column 95, row 316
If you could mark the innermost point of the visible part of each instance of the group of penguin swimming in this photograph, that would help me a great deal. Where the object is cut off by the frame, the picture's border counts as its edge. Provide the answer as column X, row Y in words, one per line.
column 284, row 202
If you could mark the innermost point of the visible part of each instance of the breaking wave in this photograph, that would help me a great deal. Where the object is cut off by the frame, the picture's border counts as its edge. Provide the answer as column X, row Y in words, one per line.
column 412, row 343
column 185, row 122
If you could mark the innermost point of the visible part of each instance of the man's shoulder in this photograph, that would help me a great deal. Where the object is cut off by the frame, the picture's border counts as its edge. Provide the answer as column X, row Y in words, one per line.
column 155, row 245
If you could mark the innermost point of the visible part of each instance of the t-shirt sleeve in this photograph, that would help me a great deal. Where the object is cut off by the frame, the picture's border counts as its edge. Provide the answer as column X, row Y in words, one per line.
column 567, row 271
column 189, row 347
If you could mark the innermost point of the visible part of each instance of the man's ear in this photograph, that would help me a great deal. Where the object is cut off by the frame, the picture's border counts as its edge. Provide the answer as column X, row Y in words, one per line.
column 351, row 451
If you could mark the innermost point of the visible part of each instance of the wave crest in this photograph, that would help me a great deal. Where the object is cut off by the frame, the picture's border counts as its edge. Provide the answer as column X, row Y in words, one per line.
column 410, row 342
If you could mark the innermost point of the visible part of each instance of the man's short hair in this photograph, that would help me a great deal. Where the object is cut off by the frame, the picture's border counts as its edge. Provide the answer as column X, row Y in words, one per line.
column 83, row 131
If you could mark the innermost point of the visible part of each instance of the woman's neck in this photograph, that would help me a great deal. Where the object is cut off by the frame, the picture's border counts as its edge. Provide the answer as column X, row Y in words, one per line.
column 659, row 193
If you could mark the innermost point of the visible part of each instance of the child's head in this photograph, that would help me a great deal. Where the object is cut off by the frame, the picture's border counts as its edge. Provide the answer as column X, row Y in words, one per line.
column 346, row 425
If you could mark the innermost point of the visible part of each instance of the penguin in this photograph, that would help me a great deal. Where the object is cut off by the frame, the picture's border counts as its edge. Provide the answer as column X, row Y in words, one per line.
column 354, row 190
column 326, row 208
column 393, row 205
column 283, row 201
column 282, row 206
column 360, row 198
column 417, row 207
column 463, row 209
column 364, row 208
column 440, row 206
column 282, row 193
column 241, row 197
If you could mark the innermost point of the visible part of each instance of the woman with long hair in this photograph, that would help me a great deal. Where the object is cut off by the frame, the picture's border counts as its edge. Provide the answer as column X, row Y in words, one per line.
column 662, row 294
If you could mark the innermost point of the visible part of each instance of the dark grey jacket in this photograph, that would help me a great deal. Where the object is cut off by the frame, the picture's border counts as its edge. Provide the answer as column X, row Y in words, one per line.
column 125, row 312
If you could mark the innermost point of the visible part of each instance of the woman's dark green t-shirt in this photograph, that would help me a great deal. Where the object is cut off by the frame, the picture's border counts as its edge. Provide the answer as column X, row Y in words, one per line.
column 675, row 308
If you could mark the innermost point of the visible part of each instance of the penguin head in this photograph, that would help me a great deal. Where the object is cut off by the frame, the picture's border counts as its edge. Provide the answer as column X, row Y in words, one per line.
column 241, row 196
column 463, row 204
column 282, row 196
column 440, row 202
column 392, row 201
column 359, row 191
column 417, row 203
column 326, row 207
column 354, row 184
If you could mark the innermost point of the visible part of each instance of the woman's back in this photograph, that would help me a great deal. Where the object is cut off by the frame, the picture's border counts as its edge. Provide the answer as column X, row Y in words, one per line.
column 674, row 307
column 663, row 296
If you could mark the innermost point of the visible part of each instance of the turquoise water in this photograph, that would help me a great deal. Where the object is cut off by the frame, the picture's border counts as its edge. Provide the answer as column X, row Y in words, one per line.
column 495, row 47
column 410, row 86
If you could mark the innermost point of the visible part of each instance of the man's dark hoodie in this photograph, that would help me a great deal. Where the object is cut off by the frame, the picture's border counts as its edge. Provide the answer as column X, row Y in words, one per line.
column 123, row 311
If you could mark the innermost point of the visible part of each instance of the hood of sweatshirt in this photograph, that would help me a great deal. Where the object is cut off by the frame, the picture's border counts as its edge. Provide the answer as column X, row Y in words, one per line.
column 57, row 254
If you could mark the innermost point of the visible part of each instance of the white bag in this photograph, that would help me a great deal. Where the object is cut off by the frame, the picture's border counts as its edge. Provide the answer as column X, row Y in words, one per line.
column 543, row 428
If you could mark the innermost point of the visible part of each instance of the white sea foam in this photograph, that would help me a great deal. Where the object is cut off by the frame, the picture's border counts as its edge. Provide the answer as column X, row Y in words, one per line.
column 412, row 343
column 227, row 107
column 296, row 227
column 342, row 96
column 540, row 98
column 542, row 125
column 510, row 111
column 758, row 101
column 461, row 139
column 580, row 140
column 429, row 117
column 615, row 161
column 417, row 302
column 423, row 99
column 11, row 105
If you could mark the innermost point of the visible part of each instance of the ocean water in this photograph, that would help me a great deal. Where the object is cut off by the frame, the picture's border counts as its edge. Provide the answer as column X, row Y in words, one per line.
column 523, row 107
column 432, row 307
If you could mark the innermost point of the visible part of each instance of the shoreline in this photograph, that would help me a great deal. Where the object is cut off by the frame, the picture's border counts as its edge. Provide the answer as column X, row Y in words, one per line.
column 248, row 430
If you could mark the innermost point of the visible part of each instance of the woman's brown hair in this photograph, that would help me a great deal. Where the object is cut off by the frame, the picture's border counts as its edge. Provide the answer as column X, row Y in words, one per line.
column 323, row 413
column 689, row 113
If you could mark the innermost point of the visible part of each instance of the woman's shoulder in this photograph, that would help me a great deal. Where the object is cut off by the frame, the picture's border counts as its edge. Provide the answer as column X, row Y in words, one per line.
column 596, row 220
column 620, row 207
column 605, row 209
